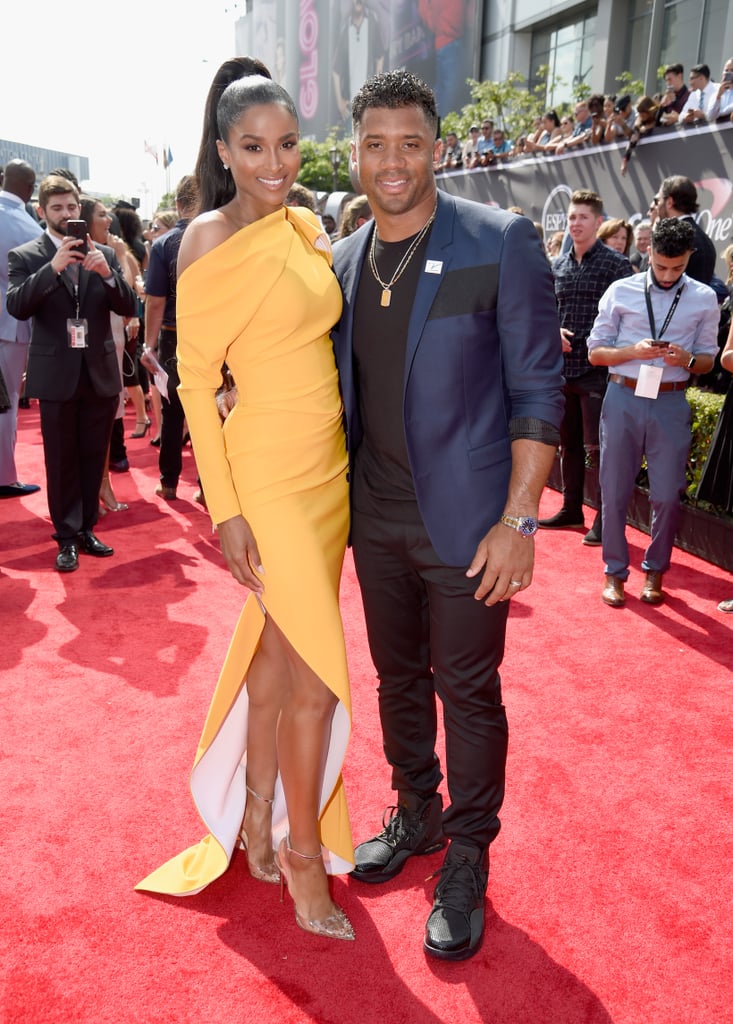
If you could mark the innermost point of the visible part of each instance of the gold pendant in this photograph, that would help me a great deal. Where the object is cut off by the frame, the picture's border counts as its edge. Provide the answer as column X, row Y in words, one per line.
column 386, row 297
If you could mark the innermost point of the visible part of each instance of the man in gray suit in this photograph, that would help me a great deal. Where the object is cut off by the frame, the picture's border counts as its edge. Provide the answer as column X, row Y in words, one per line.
column 16, row 227
column 72, row 364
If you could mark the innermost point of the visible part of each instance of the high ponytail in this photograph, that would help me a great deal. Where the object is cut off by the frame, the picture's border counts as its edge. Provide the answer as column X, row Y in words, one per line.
column 215, row 184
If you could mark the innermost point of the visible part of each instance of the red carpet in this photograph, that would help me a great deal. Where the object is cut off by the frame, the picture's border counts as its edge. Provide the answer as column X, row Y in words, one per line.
column 610, row 888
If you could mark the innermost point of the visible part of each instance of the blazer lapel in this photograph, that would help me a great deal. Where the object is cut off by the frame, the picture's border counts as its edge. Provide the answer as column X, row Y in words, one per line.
column 437, row 261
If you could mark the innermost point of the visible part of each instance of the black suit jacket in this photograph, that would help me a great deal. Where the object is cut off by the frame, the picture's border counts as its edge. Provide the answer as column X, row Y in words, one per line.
column 702, row 262
column 34, row 290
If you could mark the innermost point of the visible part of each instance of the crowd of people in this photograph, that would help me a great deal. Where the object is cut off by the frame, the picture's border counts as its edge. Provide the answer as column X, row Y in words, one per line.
column 597, row 120
column 306, row 429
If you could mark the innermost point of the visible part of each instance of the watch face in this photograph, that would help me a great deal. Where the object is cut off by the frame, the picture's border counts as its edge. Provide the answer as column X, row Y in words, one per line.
column 527, row 526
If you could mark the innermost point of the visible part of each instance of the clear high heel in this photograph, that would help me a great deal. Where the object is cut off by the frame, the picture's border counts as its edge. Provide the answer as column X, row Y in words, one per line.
column 337, row 924
column 267, row 872
column 107, row 499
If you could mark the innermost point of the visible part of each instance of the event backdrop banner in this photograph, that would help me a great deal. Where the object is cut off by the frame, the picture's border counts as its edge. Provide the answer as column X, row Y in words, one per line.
column 323, row 50
column 542, row 186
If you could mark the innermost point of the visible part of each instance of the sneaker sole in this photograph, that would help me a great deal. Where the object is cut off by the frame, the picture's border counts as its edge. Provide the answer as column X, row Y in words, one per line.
column 395, row 865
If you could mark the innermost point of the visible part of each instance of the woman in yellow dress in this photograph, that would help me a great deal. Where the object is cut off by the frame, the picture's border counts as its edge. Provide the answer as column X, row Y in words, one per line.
column 255, row 290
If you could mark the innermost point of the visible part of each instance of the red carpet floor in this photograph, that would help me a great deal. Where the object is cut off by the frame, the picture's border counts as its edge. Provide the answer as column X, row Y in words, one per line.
column 610, row 889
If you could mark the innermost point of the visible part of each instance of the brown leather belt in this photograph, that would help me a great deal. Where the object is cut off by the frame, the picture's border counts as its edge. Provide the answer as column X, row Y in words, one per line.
column 667, row 385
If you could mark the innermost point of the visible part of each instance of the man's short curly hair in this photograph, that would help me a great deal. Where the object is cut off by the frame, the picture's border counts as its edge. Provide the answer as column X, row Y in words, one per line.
column 395, row 89
column 672, row 237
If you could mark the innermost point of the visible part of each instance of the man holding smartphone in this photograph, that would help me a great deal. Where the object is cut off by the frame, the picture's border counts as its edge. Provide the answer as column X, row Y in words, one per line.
column 722, row 108
column 72, row 364
column 675, row 96
column 652, row 329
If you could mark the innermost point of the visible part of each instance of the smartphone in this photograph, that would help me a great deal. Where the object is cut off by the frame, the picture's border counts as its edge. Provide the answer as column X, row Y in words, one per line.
column 728, row 77
column 78, row 229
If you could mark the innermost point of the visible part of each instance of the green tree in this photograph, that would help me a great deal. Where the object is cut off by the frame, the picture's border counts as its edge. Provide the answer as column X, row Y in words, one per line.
column 510, row 103
column 316, row 169
column 633, row 86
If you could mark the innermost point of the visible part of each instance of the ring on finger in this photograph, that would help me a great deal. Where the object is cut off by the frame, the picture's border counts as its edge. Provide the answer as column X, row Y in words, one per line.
column 516, row 583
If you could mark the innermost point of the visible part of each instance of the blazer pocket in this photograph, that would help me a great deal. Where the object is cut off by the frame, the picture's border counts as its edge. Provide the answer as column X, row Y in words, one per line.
column 491, row 454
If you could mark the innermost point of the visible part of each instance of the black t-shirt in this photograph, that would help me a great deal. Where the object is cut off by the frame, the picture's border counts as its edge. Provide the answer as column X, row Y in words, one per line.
column 382, row 468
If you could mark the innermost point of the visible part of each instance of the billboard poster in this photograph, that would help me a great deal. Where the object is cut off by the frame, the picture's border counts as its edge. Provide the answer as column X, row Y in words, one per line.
column 542, row 187
column 323, row 50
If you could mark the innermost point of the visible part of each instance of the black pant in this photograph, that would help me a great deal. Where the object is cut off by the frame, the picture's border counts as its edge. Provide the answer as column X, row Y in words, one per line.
column 170, row 461
column 117, row 447
column 579, row 433
column 427, row 635
column 76, row 435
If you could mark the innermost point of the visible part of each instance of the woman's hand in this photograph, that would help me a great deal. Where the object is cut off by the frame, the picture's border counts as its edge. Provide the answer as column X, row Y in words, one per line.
column 239, row 548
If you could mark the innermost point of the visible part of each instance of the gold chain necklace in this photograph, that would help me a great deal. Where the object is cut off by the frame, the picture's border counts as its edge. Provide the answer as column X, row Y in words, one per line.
column 402, row 265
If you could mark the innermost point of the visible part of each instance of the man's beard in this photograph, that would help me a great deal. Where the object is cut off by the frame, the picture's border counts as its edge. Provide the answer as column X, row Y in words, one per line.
column 661, row 284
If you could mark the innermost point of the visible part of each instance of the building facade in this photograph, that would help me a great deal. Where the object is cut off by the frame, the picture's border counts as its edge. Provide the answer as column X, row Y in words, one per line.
column 594, row 42
column 43, row 160
column 321, row 50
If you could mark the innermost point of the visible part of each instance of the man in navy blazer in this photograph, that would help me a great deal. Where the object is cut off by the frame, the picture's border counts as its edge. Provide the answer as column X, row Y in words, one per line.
column 72, row 364
column 450, row 363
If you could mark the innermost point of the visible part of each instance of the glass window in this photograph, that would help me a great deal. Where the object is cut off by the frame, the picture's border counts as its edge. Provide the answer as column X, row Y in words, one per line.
column 680, row 32
column 713, row 35
column 637, row 40
column 567, row 48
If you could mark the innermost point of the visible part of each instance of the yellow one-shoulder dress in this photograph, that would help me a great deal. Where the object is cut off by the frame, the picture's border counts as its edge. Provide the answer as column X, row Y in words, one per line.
column 264, row 302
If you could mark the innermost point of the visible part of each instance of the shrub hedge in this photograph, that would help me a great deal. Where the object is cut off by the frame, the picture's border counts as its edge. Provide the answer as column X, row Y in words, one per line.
column 705, row 407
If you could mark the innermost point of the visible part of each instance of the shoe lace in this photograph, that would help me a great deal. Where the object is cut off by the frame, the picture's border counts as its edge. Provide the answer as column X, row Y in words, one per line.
column 396, row 825
column 461, row 884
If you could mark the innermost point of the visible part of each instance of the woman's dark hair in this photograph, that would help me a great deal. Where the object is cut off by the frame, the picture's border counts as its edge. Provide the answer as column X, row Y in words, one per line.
column 88, row 206
column 395, row 89
column 249, row 92
column 215, row 184
column 131, row 229
column 551, row 115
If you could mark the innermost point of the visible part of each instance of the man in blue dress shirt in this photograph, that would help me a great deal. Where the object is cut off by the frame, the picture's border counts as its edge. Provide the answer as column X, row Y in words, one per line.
column 652, row 330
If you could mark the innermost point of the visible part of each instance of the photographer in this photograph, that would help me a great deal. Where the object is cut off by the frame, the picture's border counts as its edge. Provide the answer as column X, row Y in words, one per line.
column 722, row 108
column 621, row 123
column 675, row 96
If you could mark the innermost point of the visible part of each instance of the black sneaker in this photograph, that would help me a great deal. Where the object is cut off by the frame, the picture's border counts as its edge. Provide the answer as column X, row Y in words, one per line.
column 413, row 827
column 455, row 926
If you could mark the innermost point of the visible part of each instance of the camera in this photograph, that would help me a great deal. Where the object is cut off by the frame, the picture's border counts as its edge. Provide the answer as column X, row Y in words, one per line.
column 78, row 229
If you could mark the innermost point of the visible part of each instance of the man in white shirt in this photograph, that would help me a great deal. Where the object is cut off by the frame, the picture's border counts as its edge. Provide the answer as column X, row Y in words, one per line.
column 702, row 96
column 722, row 108
column 652, row 329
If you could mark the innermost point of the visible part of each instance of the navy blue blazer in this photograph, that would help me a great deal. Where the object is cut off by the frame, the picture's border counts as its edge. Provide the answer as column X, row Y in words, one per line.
column 483, row 348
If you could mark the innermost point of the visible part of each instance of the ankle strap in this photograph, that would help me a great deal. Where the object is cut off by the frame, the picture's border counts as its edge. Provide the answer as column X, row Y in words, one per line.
column 304, row 856
column 264, row 799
